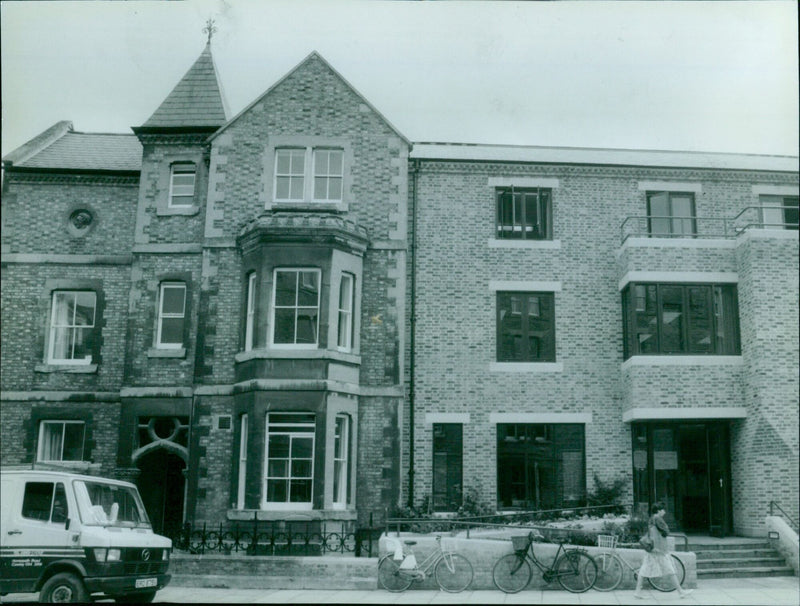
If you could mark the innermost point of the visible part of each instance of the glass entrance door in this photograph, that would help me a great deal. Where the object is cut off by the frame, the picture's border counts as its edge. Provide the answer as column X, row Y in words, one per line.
column 685, row 466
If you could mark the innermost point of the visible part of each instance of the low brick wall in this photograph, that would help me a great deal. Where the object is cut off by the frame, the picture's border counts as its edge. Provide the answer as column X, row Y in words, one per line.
column 345, row 572
column 274, row 572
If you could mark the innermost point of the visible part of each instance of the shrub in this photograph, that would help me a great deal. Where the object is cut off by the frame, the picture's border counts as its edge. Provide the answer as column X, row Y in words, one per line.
column 607, row 494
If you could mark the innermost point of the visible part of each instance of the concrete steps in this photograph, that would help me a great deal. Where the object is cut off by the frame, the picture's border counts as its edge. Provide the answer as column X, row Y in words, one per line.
column 738, row 558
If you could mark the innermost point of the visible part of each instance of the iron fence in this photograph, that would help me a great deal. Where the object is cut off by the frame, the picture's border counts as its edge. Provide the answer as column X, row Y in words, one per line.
column 275, row 538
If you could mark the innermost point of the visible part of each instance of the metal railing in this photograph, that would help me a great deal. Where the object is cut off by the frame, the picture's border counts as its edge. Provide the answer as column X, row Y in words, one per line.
column 773, row 505
column 275, row 538
column 504, row 520
column 750, row 217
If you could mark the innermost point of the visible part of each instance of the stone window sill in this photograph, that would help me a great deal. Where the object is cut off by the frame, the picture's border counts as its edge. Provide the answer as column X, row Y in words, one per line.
column 155, row 352
column 308, row 205
column 297, row 354
column 300, row 515
column 178, row 210
column 526, row 367
column 77, row 369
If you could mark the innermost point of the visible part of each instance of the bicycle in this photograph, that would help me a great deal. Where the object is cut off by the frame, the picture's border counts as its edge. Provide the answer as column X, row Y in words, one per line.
column 452, row 571
column 575, row 570
column 610, row 568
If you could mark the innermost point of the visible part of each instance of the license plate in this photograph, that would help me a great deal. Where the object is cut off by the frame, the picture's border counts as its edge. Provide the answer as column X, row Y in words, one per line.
column 146, row 583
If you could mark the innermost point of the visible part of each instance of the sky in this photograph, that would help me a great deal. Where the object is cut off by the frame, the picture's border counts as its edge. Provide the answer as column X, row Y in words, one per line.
column 697, row 76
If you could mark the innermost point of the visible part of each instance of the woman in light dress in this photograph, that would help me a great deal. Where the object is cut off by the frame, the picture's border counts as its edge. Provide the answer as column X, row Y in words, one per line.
column 658, row 562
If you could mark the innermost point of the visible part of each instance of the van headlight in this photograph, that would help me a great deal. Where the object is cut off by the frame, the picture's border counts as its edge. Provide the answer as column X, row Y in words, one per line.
column 107, row 555
column 165, row 555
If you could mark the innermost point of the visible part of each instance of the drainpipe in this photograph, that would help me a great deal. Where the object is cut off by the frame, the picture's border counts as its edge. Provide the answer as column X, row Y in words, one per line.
column 413, row 320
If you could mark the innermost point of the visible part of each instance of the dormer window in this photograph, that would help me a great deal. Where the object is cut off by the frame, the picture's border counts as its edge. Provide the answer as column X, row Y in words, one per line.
column 181, row 185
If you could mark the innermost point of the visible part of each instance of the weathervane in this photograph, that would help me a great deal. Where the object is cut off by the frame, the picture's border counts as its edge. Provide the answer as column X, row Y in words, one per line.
column 210, row 29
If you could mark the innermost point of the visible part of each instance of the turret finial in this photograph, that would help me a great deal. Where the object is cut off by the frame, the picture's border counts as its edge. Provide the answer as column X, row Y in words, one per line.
column 210, row 29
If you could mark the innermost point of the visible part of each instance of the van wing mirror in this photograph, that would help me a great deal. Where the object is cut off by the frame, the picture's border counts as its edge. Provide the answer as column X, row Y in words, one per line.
column 66, row 524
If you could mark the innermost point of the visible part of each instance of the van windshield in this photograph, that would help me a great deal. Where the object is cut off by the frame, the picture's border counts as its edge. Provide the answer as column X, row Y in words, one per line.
column 104, row 504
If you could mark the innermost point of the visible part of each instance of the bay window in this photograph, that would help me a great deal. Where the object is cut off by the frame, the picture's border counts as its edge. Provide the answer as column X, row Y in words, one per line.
column 290, row 460
column 680, row 319
column 295, row 309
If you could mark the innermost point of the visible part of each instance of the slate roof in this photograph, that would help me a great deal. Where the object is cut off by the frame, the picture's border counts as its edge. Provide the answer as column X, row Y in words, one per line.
column 66, row 149
column 196, row 100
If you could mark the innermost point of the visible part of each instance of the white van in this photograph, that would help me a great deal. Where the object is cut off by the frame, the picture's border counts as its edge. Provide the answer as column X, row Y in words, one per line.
column 71, row 536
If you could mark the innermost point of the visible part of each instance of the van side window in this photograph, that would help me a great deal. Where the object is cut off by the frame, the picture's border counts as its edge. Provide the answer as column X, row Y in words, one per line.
column 38, row 500
column 60, row 507
column 45, row 501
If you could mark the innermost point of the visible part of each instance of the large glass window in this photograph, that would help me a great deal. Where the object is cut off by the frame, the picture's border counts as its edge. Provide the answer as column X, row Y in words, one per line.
column 60, row 441
column 447, row 466
column 290, row 460
column 171, row 315
column 181, row 186
column 526, row 327
column 346, row 298
column 779, row 212
column 296, row 307
column 671, row 214
column 540, row 466
column 72, row 323
column 680, row 319
column 341, row 448
column 524, row 214
column 290, row 174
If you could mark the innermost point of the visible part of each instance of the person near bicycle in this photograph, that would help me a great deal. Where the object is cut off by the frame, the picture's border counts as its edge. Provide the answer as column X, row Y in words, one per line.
column 658, row 563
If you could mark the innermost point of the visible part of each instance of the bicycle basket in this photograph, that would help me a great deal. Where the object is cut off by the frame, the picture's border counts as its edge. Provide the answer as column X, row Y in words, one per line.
column 607, row 541
column 520, row 543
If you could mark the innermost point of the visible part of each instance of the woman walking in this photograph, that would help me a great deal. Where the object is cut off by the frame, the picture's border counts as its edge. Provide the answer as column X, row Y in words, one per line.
column 657, row 562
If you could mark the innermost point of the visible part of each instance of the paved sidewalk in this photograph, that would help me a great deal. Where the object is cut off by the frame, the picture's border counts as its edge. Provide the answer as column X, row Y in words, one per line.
column 762, row 591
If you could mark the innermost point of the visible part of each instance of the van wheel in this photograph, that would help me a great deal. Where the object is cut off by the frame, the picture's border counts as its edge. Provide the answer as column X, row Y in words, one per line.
column 136, row 598
column 63, row 587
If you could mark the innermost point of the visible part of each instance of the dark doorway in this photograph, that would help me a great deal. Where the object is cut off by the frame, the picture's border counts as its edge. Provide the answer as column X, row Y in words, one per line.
column 161, row 484
column 686, row 466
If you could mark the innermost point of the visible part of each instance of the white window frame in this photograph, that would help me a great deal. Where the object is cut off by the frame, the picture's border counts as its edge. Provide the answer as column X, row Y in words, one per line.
column 309, row 432
column 773, row 211
column 251, row 311
column 70, row 327
column 41, row 444
column 181, row 168
column 344, row 336
column 162, row 315
column 274, row 307
column 309, row 174
column 341, row 461
column 242, row 462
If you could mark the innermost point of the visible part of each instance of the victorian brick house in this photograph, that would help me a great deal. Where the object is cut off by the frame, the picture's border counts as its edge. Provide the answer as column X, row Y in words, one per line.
column 296, row 313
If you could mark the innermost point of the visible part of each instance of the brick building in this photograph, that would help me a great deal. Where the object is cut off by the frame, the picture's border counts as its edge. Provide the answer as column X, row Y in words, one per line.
column 297, row 313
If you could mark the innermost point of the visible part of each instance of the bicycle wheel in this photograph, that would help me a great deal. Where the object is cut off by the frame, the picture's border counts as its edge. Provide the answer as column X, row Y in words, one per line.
column 453, row 572
column 609, row 572
column 390, row 576
column 511, row 573
column 576, row 571
column 665, row 583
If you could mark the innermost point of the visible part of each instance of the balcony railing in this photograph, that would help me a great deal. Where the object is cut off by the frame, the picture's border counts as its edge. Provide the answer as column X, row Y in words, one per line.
column 751, row 217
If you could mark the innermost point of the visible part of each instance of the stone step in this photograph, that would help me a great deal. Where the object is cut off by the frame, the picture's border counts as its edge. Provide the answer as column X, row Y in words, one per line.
column 733, row 573
column 727, row 546
column 732, row 554
column 774, row 561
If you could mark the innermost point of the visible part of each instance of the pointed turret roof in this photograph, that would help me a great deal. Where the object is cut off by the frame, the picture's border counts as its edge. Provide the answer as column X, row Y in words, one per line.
column 196, row 101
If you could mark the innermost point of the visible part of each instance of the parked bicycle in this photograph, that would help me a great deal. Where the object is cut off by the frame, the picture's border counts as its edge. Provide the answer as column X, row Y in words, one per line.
column 610, row 568
column 452, row 571
column 574, row 569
